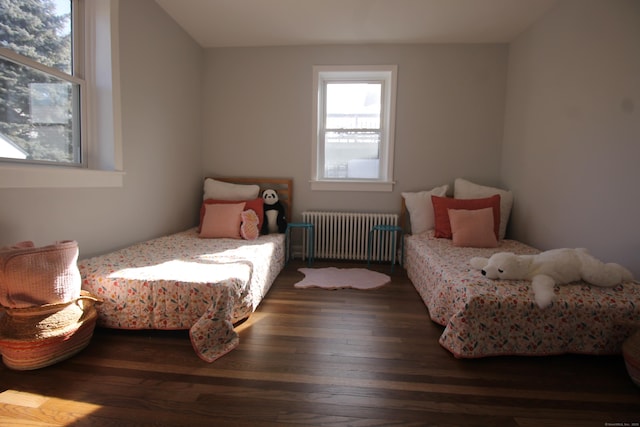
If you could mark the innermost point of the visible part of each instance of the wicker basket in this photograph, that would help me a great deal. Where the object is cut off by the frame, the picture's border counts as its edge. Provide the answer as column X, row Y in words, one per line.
column 32, row 276
column 631, row 353
column 36, row 337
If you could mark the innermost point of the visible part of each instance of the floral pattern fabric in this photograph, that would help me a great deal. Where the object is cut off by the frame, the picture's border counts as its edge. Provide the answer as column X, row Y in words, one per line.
column 182, row 281
column 484, row 317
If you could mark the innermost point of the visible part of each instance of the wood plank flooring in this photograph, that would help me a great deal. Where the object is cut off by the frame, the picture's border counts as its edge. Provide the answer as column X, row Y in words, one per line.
column 316, row 357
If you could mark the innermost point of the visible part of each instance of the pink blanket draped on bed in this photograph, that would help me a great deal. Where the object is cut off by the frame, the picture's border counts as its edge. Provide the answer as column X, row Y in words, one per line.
column 485, row 317
column 182, row 281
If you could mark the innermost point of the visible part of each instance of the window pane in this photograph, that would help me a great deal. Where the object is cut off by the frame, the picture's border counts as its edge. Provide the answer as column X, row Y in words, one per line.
column 352, row 155
column 353, row 105
column 39, row 30
column 36, row 115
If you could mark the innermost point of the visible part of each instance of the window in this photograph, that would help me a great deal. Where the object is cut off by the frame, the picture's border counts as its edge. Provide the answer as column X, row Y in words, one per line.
column 354, row 112
column 56, row 128
column 40, row 82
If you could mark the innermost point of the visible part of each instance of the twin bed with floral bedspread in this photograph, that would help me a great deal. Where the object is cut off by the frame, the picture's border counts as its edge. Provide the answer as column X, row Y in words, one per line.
column 483, row 317
column 199, row 279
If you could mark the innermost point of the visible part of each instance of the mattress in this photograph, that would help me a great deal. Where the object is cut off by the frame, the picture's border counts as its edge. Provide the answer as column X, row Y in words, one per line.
column 483, row 317
column 182, row 281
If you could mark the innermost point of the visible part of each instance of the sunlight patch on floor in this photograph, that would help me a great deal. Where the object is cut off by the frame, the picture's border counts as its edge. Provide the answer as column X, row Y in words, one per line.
column 21, row 398
column 24, row 408
column 253, row 319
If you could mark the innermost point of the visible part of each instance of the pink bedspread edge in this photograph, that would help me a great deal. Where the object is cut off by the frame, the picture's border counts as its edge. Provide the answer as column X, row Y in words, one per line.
column 168, row 283
column 484, row 317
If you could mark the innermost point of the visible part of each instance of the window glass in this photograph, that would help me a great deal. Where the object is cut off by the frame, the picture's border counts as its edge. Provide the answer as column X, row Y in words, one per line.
column 36, row 115
column 39, row 30
column 352, row 130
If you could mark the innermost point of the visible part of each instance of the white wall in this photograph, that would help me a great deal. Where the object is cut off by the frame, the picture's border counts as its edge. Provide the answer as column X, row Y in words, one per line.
column 572, row 130
column 161, row 78
column 450, row 109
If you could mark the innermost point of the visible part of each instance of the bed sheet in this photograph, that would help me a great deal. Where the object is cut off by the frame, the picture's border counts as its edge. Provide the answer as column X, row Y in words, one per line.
column 182, row 281
column 484, row 317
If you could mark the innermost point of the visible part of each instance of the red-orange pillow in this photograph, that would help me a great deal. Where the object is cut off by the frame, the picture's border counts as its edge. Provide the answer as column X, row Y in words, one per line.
column 222, row 220
column 256, row 204
column 442, row 204
column 473, row 228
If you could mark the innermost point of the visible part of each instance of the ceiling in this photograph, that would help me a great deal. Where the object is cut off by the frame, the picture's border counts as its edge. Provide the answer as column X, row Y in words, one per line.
column 234, row 23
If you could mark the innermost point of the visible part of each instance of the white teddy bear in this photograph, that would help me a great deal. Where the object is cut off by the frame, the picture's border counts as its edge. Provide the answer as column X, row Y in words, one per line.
column 550, row 268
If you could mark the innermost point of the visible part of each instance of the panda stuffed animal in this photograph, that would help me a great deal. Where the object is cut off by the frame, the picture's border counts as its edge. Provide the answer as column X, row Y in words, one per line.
column 274, row 218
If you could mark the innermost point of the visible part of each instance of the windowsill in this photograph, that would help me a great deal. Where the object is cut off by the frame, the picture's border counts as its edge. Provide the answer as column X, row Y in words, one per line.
column 351, row 185
column 57, row 177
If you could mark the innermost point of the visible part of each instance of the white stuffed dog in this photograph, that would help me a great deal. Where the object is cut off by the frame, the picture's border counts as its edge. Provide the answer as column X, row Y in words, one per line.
column 550, row 268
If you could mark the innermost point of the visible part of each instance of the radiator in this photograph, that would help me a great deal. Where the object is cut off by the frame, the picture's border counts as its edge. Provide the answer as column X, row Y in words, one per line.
column 344, row 235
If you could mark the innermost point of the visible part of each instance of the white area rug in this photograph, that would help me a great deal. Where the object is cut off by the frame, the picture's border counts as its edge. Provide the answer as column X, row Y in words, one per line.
column 339, row 278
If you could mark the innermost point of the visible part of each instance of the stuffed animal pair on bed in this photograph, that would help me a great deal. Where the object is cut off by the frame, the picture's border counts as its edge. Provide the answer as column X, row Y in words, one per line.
column 550, row 268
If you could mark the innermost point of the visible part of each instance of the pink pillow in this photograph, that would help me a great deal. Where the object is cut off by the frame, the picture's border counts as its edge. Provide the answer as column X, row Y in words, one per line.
column 249, row 229
column 222, row 220
column 473, row 228
column 441, row 205
column 256, row 204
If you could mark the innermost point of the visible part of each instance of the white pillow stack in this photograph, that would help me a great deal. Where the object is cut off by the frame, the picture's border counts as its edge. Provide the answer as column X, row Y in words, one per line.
column 220, row 190
column 420, row 208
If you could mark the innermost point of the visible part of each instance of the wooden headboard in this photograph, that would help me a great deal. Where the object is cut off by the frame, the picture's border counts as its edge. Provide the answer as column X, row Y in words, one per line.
column 404, row 216
column 283, row 186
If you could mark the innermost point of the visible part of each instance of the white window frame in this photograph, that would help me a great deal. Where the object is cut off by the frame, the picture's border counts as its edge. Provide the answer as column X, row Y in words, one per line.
column 101, row 130
column 323, row 74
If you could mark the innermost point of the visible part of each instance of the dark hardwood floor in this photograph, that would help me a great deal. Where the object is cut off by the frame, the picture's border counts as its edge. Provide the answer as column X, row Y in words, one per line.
column 317, row 357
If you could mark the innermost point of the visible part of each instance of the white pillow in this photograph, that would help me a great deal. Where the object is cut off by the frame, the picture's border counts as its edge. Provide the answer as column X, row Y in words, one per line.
column 420, row 208
column 464, row 189
column 219, row 190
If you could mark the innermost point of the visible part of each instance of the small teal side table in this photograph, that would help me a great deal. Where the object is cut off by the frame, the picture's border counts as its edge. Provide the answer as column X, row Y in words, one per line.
column 397, row 232
column 309, row 228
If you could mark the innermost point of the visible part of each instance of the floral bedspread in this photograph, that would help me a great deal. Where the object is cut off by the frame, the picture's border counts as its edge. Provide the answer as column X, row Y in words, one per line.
column 484, row 317
column 181, row 281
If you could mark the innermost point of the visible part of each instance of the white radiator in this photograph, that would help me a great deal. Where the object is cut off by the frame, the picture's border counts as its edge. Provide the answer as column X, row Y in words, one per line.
column 344, row 235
